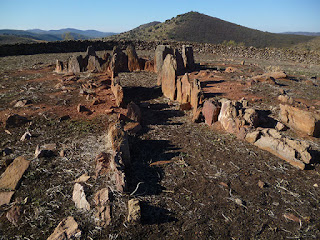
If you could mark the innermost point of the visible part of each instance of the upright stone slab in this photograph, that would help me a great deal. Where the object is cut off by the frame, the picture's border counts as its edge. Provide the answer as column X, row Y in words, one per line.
column 187, row 55
column 195, row 94
column 179, row 90
column 185, row 89
column 75, row 64
column 93, row 64
column 59, row 66
column 159, row 56
column 168, row 77
column 210, row 111
column 133, row 60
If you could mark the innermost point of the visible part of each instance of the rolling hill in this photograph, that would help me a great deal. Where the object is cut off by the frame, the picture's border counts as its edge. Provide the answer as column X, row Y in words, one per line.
column 197, row 27
column 9, row 36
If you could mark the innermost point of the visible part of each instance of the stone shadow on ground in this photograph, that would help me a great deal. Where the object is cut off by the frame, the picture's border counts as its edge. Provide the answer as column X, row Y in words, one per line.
column 155, row 215
column 138, row 94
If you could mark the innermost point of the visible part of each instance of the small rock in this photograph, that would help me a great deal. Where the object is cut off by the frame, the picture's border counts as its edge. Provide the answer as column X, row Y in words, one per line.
column 13, row 215
column 63, row 118
column 280, row 126
column 81, row 108
column 22, row 103
column 46, row 150
column 291, row 217
column 67, row 229
column 7, row 132
column 134, row 208
column 79, row 197
column 62, row 153
column 109, row 111
column 261, row 184
column 132, row 127
column 83, row 178
column 243, row 62
column 315, row 185
column 25, row 136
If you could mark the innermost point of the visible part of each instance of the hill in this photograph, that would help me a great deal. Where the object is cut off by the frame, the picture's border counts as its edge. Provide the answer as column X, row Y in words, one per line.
column 197, row 27
column 9, row 36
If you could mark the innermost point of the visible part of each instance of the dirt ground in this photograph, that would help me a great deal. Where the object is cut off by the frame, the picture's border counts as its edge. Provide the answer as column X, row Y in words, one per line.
column 193, row 181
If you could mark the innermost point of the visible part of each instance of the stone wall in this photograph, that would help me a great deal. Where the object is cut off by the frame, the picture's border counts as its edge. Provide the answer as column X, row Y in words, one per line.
column 221, row 50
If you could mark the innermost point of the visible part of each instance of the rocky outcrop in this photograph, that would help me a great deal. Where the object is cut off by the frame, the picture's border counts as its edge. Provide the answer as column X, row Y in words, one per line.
column 296, row 152
column 301, row 120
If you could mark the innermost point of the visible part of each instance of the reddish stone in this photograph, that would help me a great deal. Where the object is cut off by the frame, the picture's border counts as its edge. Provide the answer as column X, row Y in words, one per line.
column 210, row 112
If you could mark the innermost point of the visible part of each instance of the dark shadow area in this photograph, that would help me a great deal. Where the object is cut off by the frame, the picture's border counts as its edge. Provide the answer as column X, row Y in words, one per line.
column 211, row 95
column 265, row 120
column 207, row 67
column 138, row 94
column 204, row 84
column 143, row 179
column 155, row 215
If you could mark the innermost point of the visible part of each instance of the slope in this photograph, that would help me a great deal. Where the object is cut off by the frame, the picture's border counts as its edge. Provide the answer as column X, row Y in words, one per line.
column 197, row 27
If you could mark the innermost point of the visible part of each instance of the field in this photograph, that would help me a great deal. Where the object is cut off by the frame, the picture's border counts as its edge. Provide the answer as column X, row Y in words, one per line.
column 193, row 181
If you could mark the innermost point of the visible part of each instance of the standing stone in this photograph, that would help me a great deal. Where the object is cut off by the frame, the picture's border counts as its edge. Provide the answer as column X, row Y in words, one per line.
column 117, row 91
column 168, row 77
column 195, row 94
column 300, row 120
column 75, row 64
column 227, row 116
column 160, row 54
column 121, row 60
column 79, row 197
column 90, row 51
column 179, row 90
column 187, row 55
column 180, row 64
column 185, row 89
column 133, row 60
column 134, row 208
column 14, row 172
column 94, row 64
column 59, row 67
column 67, row 229
column 210, row 112
column 102, row 202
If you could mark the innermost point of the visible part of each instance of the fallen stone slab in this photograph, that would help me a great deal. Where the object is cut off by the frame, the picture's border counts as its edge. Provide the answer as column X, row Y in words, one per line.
column 295, row 152
column 301, row 120
column 67, row 229
column 14, row 172
column 134, row 211
column 79, row 197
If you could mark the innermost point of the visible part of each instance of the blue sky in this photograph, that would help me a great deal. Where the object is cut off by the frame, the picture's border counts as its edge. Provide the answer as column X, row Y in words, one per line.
column 123, row 15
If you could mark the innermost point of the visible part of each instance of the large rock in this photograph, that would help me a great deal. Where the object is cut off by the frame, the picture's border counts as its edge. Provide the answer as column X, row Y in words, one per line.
column 210, row 111
column 159, row 56
column 79, row 197
column 296, row 152
column 185, row 89
column 134, row 209
column 133, row 60
column 75, row 64
column 14, row 172
column 168, row 76
column 59, row 67
column 228, row 115
column 67, row 229
column 301, row 120
column 103, row 209
column 187, row 55
column 251, row 117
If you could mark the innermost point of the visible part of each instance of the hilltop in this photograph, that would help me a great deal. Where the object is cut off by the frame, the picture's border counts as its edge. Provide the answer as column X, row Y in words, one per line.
column 197, row 27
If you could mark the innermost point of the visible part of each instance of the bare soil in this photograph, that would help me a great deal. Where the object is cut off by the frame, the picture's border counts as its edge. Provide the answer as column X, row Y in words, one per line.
column 194, row 181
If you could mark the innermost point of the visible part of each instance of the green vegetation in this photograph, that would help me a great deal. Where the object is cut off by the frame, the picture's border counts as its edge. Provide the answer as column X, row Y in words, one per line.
column 196, row 27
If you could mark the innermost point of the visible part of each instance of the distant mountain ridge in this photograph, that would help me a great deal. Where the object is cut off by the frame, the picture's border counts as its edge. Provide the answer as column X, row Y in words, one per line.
column 197, row 27
column 303, row 33
column 51, row 35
